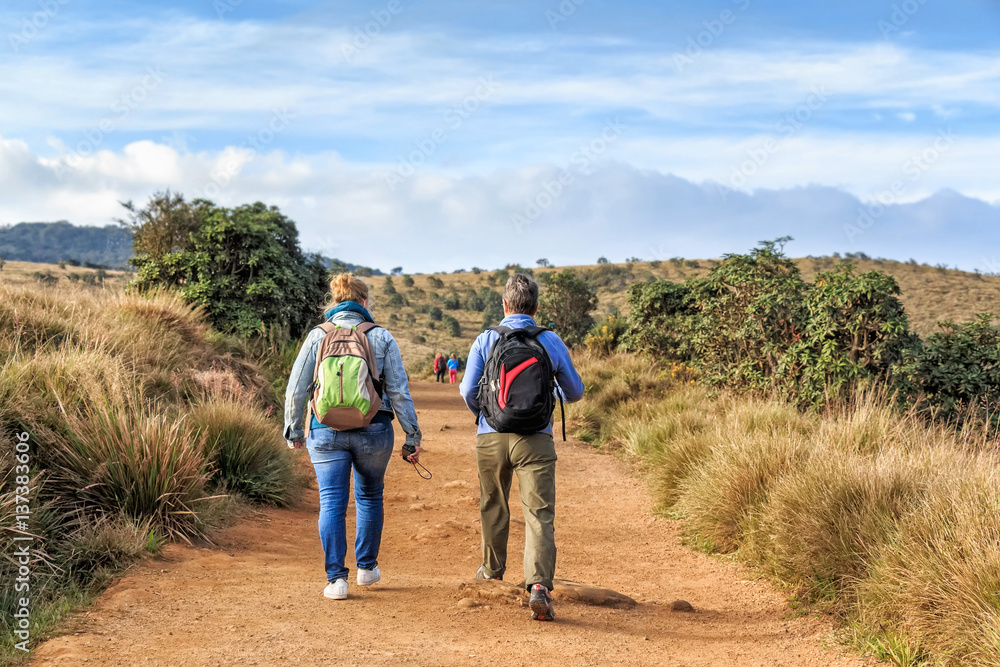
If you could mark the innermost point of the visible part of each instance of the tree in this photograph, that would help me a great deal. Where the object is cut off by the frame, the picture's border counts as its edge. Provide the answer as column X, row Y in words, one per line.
column 543, row 263
column 602, row 260
column 566, row 304
column 3, row 261
column 243, row 265
column 396, row 271
column 408, row 281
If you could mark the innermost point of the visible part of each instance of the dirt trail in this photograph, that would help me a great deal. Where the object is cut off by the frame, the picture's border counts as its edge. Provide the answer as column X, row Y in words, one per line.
column 256, row 599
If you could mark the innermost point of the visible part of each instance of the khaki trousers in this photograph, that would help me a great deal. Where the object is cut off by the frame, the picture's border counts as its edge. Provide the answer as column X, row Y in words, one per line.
column 533, row 458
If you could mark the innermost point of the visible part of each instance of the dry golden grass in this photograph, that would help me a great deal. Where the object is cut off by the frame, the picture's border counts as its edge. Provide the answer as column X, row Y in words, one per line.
column 880, row 517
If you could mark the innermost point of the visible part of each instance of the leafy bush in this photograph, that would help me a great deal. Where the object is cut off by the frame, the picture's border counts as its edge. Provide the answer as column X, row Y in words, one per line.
column 435, row 282
column 754, row 325
column 661, row 320
column 855, row 332
column 453, row 327
column 957, row 372
column 243, row 265
column 435, row 314
column 498, row 277
column 451, row 302
column 565, row 305
column 408, row 281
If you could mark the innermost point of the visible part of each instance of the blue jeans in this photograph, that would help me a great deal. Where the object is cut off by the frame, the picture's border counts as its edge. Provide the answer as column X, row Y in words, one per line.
column 333, row 453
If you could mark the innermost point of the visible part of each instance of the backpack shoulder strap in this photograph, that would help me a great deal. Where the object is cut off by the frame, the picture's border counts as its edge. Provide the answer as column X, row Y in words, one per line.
column 365, row 327
column 535, row 331
column 327, row 327
column 500, row 329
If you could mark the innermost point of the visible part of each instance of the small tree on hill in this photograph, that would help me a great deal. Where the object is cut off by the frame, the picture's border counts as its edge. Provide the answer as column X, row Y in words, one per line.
column 243, row 265
column 543, row 263
column 396, row 271
column 566, row 304
column 602, row 260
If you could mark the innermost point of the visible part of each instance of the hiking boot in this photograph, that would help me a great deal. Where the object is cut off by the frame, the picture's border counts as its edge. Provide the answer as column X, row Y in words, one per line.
column 541, row 604
column 368, row 577
column 481, row 574
column 336, row 590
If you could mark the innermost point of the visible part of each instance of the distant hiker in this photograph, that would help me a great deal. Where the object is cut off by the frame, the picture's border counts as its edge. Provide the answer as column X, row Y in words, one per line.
column 350, row 373
column 453, row 369
column 439, row 367
column 510, row 383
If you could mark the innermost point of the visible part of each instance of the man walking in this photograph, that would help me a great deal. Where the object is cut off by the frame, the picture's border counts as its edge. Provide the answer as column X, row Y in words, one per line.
column 439, row 367
column 511, row 376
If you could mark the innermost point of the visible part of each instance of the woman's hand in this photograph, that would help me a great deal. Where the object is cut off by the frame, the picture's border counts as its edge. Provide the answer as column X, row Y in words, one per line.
column 415, row 456
column 295, row 444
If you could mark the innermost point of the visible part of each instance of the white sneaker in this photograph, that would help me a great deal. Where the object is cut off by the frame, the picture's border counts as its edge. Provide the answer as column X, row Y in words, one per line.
column 336, row 590
column 369, row 577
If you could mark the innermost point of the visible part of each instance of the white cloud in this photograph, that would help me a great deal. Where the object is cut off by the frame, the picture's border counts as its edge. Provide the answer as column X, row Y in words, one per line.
column 617, row 210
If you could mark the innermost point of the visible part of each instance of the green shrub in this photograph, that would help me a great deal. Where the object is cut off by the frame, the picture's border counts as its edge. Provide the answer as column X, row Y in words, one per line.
column 565, row 305
column 408, row 281
column 243, row 265
column 957, row 372
column 661, row 320
column 435, row 282
column 453, row 327
column 435, row 314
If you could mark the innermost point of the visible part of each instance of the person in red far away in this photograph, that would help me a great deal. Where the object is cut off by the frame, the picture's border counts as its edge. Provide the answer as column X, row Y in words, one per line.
column 439, row 367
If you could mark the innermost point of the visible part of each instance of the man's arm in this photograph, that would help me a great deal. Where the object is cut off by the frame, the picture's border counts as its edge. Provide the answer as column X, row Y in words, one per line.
column 566, row 375
column 469, row 389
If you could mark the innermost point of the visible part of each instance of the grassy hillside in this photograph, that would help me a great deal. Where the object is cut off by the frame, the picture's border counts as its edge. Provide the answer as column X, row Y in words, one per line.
column 930, row 295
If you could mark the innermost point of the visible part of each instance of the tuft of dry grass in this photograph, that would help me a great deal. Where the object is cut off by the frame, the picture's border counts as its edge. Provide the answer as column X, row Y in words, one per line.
column 244, row 452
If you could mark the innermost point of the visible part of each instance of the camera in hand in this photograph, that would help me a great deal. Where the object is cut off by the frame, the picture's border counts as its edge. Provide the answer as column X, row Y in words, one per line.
column 407, row 450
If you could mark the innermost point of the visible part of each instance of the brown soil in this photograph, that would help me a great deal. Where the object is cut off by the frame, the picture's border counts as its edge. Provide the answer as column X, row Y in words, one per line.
column 256, row 598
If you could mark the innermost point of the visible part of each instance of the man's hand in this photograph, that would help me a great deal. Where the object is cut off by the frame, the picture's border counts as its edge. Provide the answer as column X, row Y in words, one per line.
column 296, row 444
column 415, row 456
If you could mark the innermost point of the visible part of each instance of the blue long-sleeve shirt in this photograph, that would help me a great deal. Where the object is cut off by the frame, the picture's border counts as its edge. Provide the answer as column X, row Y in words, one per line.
column 566, row 376
column 396, row 395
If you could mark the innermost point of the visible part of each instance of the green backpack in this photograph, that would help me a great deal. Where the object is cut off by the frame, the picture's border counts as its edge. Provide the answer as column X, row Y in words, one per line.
column 346, row 393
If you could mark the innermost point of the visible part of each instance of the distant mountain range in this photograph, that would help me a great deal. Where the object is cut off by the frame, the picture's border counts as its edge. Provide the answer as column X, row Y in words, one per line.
column 51, row 242
column 110, row 246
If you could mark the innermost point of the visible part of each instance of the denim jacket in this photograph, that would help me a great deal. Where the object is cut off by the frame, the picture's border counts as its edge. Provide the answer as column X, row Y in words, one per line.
column 395, row 397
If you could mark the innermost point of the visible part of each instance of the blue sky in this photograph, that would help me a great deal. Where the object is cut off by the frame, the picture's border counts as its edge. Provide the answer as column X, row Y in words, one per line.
column 455, row 134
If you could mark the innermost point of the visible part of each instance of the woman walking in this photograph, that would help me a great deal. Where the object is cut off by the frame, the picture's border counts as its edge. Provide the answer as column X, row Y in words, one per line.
column 453, row 369
column 367, row 449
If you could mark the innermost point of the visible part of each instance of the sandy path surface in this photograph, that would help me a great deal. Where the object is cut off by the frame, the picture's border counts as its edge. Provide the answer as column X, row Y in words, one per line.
column 256, row 598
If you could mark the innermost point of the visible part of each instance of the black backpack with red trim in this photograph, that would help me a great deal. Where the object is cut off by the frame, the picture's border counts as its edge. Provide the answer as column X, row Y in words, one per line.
column 517, row 389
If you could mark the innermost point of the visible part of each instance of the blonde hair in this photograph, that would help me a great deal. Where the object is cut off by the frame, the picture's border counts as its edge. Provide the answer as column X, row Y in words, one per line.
column 347, row 287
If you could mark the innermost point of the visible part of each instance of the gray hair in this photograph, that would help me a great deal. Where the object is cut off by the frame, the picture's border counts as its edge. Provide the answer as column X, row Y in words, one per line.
column 521, row 294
